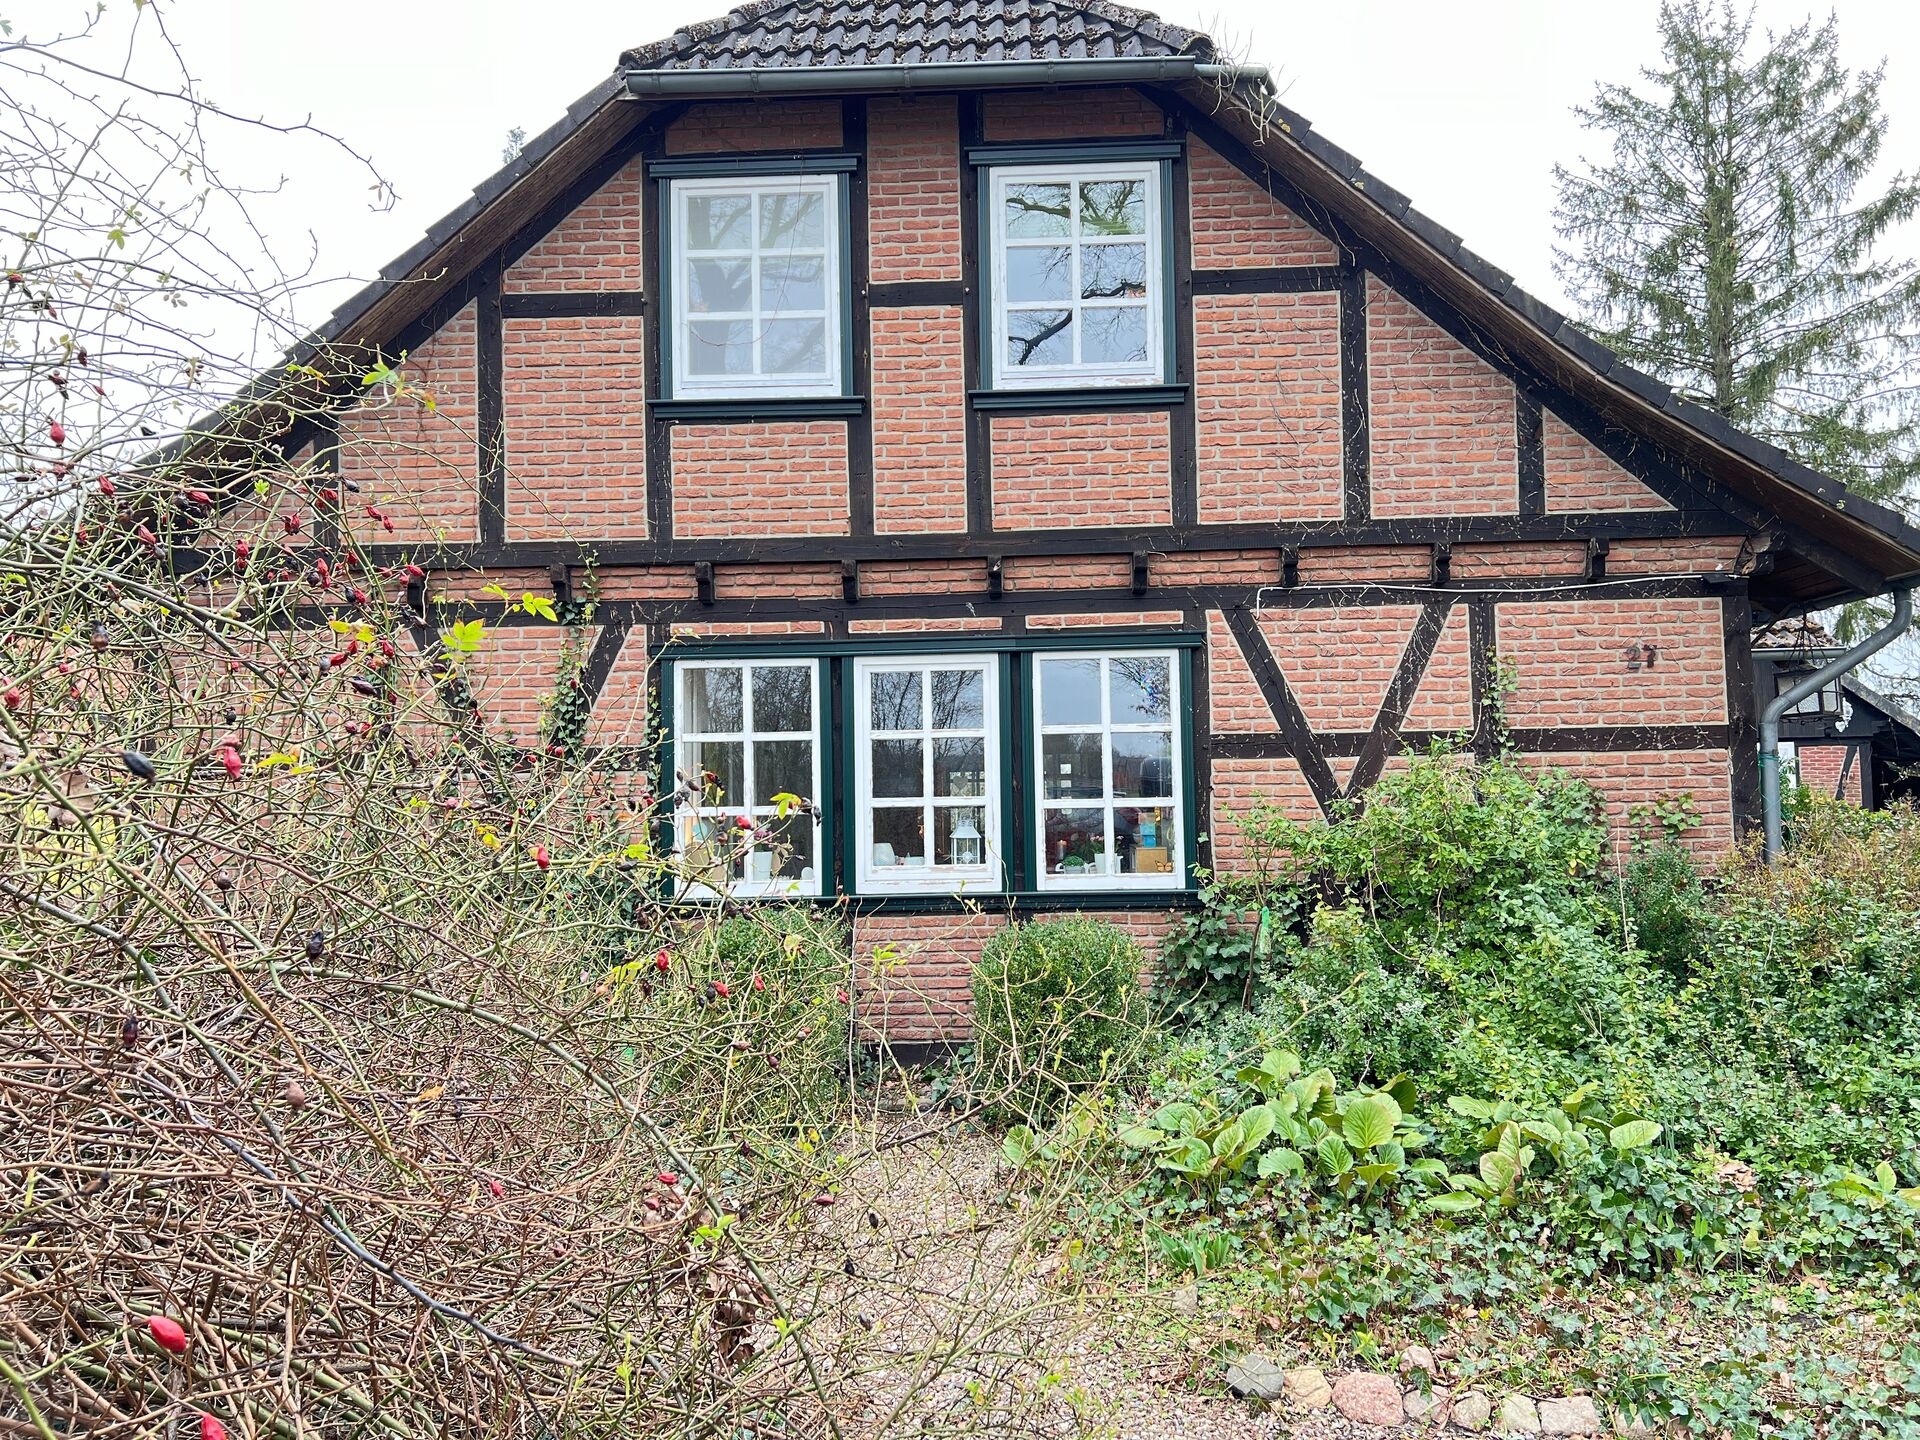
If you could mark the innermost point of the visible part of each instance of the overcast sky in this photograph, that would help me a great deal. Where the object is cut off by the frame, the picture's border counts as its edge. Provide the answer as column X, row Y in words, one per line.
column 1465, row 106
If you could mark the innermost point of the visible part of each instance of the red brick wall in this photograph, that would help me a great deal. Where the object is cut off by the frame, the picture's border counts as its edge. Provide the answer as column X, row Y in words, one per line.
column 913, row 189
column 620, row 715
column 912, row 625
column 1444, row 698
column 1236, row 222
column 1443, row 419
column 575, row 429
column 1069, row 114
column 1065, row 572
column 1237, row 706
column 1267, row 388
column 773, row 479
column 1570, row 664
column 1694, row 555
column 1642, row 777
column 919, row 421
column 596, row 247
column 513, row 676
column 416, row 465
column 756, row 125
column 1090, row 619
column 1823, row 769
column 1580, row 477
column 1242, row 782
column 1338, row 662
column 924, row 577
column 1052, row 471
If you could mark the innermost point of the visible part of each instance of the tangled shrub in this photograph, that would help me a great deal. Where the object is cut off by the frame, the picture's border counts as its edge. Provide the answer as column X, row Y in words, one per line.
column 1057, row 1005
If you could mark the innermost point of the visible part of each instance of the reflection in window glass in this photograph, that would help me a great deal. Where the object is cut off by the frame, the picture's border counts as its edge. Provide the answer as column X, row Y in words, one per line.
column 1076, row 279
column 1107, row 761
column 746, row 741
column 925, row 816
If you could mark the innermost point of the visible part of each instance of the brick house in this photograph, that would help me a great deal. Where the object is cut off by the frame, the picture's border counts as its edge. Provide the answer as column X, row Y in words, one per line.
column 1005, row 423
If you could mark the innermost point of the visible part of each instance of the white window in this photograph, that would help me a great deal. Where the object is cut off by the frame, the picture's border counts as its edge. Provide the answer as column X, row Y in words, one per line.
column 927, row 761
column 1076, row 275
column 756, row 287
column 746, row 737
column 1107, row 761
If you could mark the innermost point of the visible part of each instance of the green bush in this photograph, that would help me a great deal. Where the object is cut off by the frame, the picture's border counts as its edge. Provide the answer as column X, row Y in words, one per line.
column 1057, row 1006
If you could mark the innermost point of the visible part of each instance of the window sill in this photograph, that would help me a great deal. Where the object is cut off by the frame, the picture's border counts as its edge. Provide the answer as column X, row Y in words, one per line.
column 1079, row 399
column 748, row 409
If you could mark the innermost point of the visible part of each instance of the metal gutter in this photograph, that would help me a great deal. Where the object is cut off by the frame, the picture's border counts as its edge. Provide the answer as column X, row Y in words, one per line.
column 973, row 75
column 1770, row 717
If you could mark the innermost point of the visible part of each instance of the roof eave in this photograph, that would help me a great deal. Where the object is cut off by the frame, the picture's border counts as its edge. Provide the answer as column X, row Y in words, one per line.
column 742, row 81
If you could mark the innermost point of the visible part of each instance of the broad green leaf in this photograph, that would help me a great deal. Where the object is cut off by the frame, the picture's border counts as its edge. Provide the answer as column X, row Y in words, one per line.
column 1471, row 1108
column 1634, row 1135
column 1182, row 1116
column 1334, row 1156
column 1370, row 1121
column 1499, row 1171
column 1280, row 1162
column 1019, row 1147
column 1374, row 1174
column 1140, row 1137
column 1454, row 1202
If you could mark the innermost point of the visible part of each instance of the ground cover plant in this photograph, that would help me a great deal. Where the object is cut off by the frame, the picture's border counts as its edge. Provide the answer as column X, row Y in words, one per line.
column 1456, row 1071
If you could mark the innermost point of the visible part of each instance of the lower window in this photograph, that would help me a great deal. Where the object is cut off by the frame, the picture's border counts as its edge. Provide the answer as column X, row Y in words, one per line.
column 927, row 768
column 746, row 750
column 1107, row 771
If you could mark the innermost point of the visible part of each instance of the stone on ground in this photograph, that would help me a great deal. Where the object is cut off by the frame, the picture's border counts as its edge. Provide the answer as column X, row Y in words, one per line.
column 1518, row 1416
column 1570, row 1415
column 1371, row 1399
column 1308, row 1387
column 1253, row 1374
column 1422, row 1405
column 1418, row 1357
column 1472, row 1411
column 1633, row 1422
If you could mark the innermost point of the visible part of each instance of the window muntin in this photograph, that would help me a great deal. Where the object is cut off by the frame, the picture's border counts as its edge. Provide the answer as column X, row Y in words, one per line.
column 756, row 286
column 927, row 765
column 1077, row 275
column 747, row 730
column 1107, row 771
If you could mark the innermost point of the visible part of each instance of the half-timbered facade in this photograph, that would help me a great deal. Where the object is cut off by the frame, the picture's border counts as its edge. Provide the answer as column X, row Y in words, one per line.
column 1004, row 424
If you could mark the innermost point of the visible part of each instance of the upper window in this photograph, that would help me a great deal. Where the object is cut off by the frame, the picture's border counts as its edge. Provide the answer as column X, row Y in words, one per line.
column 746, row 740
column 927, row 760
column 1108, row 763
column 756, row 286
column 1077, row 282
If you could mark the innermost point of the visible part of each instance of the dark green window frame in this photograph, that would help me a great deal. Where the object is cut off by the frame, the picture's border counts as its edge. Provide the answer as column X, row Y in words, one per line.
column 663, row 173
column 1094, row 396
column 1018, row 777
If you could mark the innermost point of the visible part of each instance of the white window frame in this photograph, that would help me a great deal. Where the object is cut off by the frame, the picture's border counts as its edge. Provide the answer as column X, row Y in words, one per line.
column 1152, row 370
column 928, row 879
column 723, row 387
column 1175, row 805
column 684, row 738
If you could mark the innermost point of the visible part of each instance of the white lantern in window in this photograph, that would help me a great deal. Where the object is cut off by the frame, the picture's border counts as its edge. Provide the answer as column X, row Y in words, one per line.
column 966, row 842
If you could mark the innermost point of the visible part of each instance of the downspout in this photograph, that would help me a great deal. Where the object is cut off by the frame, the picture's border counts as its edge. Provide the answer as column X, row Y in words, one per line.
column 1770, row 717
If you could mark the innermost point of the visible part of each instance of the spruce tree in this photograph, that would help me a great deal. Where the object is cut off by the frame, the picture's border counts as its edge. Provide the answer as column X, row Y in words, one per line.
column 1724, row 246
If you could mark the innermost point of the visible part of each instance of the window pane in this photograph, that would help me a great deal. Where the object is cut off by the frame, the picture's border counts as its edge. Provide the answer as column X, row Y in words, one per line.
column 960, row 767
column 1116, row 336
column 712, row 700
column 1036, row 211
column 719, row 285
column 896, row 700
column 790, row 847
column 1071, row 767
column 897, row 768
column 794, row 347
column 782, row 767
column 1142, row 690
column 1070, row 692
column 1143, row 764
column 1075, row 842
column 792, row 220
column 722, row 759
column 1112, row 272
column 959, row 699
column 709, row 849
column 1144, row 840
column 959, row 835
column 720, row 347
column 782, row 698
column 1113, row 207
column 899, row 836
column 1039, row 272
column 1040, row 337
column 793, row 284
column 719, row 222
